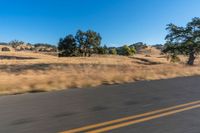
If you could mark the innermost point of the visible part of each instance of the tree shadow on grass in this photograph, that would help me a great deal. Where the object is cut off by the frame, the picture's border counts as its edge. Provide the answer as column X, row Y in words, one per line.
column 4, row 57
column 44, row 66
column 145, row 61
column 21, row 68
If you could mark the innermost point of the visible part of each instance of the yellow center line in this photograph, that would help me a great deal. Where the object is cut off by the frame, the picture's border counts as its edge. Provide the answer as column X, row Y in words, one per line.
column 142, row 120
column 127, row 118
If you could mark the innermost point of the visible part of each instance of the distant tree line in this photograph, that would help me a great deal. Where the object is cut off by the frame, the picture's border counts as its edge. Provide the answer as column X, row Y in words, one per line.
column 88, row 43
column 179, row 41
column 82, row 44
column 22, row 46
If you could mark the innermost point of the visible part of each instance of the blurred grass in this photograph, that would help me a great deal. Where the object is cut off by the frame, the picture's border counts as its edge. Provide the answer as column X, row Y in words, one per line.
column 49, row 73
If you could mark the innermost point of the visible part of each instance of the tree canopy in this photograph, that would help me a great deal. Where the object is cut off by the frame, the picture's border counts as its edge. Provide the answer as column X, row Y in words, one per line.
column 84, row 43
column 126, row 50
column 184, row 40
column 68, row 46
column 88, row 42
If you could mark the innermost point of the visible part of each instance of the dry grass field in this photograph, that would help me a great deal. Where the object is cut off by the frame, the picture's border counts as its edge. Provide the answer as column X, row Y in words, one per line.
column 22, row 72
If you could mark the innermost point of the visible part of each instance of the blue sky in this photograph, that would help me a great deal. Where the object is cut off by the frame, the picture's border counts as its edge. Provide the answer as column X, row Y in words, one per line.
column 118, row 21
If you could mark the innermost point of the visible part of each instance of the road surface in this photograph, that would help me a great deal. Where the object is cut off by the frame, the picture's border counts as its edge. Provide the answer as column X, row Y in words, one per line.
column 162, row 106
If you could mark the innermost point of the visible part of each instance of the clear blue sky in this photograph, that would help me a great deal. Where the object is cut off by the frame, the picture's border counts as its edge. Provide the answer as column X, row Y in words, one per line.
column 118, row 21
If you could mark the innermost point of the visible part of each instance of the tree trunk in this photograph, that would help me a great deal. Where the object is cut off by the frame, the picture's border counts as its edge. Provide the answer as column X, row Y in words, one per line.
column 191, row 58
column 89, row 54
column 85, row 52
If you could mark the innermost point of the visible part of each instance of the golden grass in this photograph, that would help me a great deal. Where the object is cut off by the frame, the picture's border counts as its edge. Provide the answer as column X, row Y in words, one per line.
column 38, row 72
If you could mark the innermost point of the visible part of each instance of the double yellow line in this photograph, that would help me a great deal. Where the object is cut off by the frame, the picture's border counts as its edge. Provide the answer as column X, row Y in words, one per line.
column 130, row 120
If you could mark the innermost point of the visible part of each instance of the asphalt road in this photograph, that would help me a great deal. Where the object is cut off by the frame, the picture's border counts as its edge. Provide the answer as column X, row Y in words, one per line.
column 62, row 111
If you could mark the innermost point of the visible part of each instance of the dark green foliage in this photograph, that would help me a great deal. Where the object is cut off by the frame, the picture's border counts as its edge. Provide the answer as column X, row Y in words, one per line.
column 113, row 51
column 103, row 50
column 184, row 40
column 44, row 45
column 88, row 42
column 67, row 46
column 132, row 50
column 126, row 50
column 16, row 43
column 83, row 44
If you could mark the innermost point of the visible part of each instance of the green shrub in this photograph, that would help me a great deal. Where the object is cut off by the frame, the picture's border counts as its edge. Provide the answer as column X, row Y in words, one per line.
column 126, row 51
column 113, row 51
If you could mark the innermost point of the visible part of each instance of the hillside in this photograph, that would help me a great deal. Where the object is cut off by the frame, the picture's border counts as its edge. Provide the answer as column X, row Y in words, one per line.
column 149, row 50
column 21, row 46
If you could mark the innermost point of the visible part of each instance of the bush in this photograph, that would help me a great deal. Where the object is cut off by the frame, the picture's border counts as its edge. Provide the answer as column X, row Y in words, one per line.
column 126, row 51
column 103, row 50
column 113, row 51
